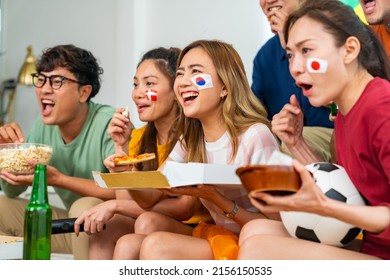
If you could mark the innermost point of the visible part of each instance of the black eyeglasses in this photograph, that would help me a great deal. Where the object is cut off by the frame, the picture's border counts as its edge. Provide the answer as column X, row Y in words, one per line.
column 56, row 81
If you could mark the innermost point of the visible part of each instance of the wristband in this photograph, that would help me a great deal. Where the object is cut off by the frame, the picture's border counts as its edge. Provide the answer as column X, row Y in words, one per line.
column 232, row 213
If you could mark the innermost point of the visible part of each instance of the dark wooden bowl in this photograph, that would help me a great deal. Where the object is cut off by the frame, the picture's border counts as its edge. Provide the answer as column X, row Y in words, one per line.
column 273, row 179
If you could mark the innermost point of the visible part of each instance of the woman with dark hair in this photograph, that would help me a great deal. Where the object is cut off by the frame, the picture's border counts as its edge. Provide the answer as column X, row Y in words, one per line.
column 334, row 57
column 156, row 104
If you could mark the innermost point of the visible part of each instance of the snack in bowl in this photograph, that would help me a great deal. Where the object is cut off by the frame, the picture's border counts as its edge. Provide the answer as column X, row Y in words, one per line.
column 273, row 179
column 15, row 158
column 127, row 160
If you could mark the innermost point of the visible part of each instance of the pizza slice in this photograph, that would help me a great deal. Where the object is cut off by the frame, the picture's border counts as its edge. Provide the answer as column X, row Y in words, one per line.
column 127, row 160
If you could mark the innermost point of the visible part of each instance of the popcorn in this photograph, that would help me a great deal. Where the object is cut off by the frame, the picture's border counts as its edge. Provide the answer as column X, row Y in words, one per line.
column 126, row 112
column 15, row 157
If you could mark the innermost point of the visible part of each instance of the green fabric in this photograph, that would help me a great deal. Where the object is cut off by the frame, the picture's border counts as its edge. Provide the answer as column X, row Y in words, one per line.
column 78, row 158
column 352, row 3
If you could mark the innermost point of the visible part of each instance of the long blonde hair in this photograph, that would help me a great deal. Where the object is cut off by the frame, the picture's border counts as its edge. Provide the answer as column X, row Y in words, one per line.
column 240, row 110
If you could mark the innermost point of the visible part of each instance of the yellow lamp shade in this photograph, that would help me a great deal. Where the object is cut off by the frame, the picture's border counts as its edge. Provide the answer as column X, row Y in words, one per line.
column 29, row 67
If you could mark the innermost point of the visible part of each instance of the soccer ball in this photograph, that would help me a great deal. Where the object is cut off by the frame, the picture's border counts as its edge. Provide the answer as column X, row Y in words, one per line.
column 336, row 184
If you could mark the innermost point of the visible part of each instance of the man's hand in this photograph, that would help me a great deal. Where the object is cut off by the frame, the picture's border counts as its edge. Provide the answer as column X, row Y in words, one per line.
column 11, row 133
column 277, row 19
column 17, row 180
column 52, row 173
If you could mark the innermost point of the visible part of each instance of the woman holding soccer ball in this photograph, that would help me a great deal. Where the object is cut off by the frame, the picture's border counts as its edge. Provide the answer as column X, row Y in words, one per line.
column 333, row 57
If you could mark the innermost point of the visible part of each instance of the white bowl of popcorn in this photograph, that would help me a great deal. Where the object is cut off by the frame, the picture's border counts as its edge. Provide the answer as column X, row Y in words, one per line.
column 15, row 158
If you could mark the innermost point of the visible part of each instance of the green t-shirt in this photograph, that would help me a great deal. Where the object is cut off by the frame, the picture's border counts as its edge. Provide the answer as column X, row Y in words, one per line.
column 78, row 158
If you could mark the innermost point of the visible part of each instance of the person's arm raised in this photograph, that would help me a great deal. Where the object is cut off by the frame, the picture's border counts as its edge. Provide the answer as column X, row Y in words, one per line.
column 119, row 130
column 288, row 127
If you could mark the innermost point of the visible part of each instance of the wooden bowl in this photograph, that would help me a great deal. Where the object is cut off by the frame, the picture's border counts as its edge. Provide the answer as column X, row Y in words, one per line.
column 273, row 179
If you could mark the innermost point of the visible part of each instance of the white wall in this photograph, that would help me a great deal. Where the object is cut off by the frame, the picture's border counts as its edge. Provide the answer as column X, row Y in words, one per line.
column 118, row 32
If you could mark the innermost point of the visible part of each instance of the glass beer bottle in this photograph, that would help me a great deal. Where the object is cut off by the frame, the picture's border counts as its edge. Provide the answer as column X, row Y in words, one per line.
column 37, row 219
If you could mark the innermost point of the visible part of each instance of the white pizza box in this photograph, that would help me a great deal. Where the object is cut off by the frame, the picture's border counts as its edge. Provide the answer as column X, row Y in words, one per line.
column 11, row 247
column 174, row 174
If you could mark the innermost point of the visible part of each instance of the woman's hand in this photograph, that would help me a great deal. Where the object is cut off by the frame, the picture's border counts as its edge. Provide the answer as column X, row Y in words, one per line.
column 109, row 164
column 207, row 192
column 288, row 123
column 309, row 198
column 95, row 218
column 119, row 128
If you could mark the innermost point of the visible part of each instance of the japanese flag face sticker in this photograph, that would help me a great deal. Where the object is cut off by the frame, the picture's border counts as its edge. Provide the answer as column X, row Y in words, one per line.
column 202, row 81
column 317, row 65
column 151, row 95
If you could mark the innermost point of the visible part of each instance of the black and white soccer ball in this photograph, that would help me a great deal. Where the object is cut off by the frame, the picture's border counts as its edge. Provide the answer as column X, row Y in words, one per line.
column 336, row 184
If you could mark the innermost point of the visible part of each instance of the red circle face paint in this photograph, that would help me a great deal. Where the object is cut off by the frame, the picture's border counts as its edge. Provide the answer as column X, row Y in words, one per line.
column 315, row 65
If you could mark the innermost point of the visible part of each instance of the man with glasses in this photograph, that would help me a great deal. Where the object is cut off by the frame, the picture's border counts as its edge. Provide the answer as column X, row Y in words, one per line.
column 67, row 79
column 56, row 81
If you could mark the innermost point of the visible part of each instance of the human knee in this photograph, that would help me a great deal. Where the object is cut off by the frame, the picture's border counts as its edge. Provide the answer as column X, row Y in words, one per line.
column 128, row 247
column 5, row 205
column 254, row 247
column 147, row 223
column 154, row 246
column 124, row 243
column 254, row 227
column 12, row 216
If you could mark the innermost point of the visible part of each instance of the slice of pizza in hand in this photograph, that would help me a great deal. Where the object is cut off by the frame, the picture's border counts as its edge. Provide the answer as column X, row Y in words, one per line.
column 127, row 160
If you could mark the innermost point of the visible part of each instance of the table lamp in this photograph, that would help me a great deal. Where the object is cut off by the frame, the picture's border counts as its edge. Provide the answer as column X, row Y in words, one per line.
column 24, row 78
